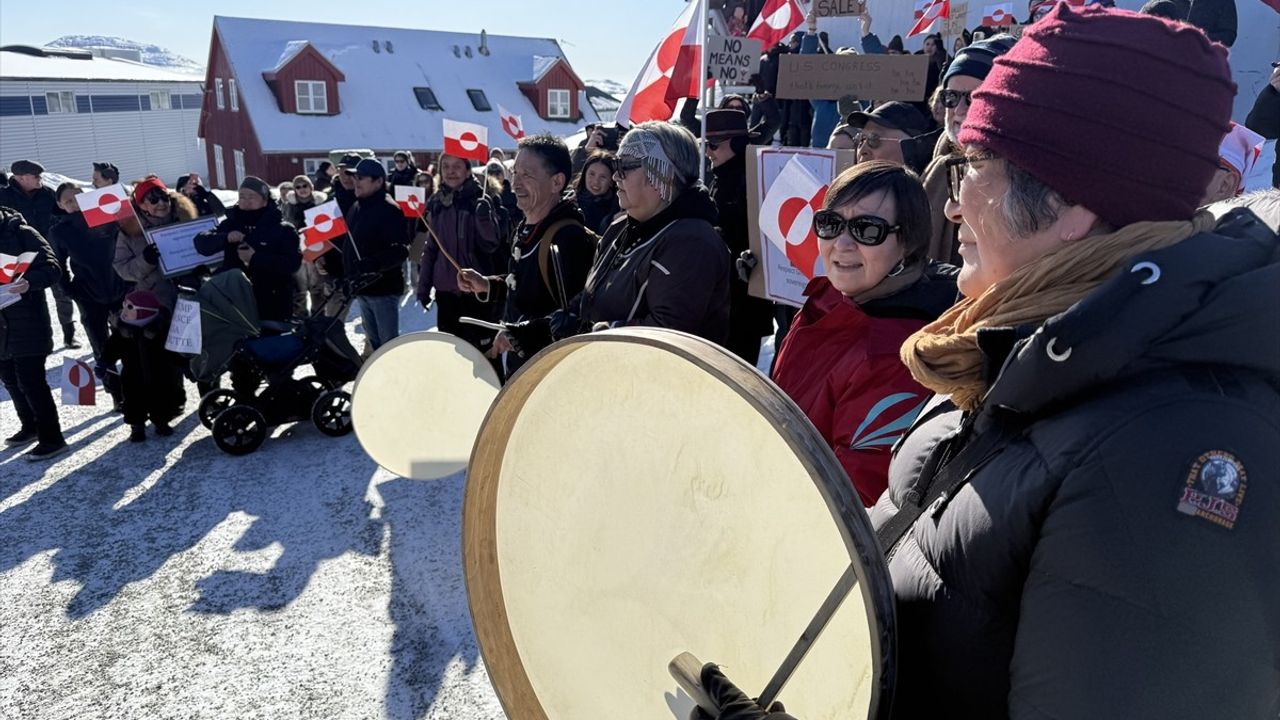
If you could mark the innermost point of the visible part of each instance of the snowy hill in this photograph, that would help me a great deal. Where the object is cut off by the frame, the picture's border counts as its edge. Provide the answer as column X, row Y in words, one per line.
column 151, row 54
column 612, row 87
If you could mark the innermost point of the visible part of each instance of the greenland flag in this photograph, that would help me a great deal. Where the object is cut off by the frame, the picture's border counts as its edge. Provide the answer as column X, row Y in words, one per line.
column 77, row 383
column 927, row 13
column 673, row 71
column 12, row 266
column 412, row 200
column 313, row 245
column 104, row 205
column 777, row 20
column 325, row 221
column 511, row 123
column 466, row 140
column 998, row 15
column 786, row 215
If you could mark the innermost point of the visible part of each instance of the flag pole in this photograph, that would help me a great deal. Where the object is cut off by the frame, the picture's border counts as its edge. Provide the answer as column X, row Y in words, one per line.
column 702, row 89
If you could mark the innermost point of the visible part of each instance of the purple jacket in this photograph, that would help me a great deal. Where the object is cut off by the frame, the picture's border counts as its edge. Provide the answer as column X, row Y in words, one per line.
column 467, row 226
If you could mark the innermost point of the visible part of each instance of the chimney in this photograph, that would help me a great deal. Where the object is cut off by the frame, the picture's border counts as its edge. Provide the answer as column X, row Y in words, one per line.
column 484, row 43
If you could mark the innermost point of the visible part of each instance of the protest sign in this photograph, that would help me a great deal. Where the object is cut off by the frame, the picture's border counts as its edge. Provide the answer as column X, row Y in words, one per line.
column 77, row 383
column 733, row 60
column 176, row 244
column 184, row 331
column 839, row 8
column 955, row 24
column 777, row 278
column 866, row 77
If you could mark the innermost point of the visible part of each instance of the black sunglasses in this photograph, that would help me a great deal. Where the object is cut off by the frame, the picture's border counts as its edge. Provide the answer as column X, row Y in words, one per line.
column 626, row 165
column 156, row 196
column 951, row 98
column 301, row 187
column 864, row 229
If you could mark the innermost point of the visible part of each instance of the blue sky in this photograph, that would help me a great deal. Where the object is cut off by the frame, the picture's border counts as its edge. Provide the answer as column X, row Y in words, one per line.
column 602, row 39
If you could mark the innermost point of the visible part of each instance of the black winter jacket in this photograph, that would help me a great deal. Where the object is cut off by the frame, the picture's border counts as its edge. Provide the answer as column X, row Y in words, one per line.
column 598, row 211
column 381, row 244
column 37, row 207
column 1216, row 17
column 277, row 256
column 531, row 297
column 748, row 315
column 25, row 330
column 1115, row 555
column 86, row 256
column 1264, row 119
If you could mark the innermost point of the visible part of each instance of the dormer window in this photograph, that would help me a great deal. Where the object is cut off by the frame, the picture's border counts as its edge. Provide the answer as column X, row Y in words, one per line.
column 479, row 101
column 558, row 103
column 427, row 98
column 312, row 97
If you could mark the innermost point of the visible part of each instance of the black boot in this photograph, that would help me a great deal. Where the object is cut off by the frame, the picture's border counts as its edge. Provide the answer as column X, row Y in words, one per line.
column 45, row 450
column 163, row 429
column 138, row 433
column 22, row 437
column 69, row 337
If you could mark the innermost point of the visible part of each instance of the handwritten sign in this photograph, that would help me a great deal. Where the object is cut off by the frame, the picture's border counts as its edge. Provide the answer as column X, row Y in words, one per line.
column 733, row 60
column 839, row 8
column 176, row 244
column 955, row 25
column 184, row 331
column 866, row 77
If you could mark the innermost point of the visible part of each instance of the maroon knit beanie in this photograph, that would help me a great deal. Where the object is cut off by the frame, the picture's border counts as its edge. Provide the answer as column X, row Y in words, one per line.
column 1119, row 112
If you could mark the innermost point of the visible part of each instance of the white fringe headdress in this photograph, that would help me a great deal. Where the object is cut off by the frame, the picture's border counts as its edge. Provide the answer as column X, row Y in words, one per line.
column 659, row 171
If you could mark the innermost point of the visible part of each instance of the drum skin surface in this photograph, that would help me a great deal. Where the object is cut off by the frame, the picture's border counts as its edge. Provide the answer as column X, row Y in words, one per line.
column 638, row 493
column 419, row 401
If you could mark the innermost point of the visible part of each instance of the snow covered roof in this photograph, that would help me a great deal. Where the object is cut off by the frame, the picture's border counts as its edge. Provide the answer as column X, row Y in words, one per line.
column 541, row 64
column 23, row 66
column 378, row 108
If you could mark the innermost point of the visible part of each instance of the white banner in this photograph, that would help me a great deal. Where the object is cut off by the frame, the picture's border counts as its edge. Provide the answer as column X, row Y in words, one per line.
column 184, row 331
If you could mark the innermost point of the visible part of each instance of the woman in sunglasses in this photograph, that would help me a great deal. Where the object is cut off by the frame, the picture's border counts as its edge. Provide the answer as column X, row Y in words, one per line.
column 138, row 261
column 840, row 360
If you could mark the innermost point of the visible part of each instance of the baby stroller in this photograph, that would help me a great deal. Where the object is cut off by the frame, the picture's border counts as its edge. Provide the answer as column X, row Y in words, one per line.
column 268, row 353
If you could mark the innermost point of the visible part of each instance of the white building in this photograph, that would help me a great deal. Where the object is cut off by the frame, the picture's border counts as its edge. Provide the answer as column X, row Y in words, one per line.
column 67, row 108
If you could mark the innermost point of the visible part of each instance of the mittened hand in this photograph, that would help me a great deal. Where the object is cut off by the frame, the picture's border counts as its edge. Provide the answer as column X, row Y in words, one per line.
column 151, row 254
column 745, row 263
column 734, row 704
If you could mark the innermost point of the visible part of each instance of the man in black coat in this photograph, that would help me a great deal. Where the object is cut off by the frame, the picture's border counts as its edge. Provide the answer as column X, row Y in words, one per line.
column 378, row 245
column 202, row 197
column 255, row 238
column 1264, row 119
column 37, row 204
column 26, row 338
column 405, row 170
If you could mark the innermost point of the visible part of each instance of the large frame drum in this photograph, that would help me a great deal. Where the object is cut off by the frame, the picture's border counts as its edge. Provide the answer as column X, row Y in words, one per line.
column 637, row 493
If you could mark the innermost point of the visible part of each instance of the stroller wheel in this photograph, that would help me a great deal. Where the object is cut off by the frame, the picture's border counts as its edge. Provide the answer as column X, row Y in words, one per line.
column 213, row 403
column 239, row 430
column 332, row 413
column 315, row 385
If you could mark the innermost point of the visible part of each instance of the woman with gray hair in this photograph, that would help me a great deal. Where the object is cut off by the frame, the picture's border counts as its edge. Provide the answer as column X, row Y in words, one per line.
column 664, row 264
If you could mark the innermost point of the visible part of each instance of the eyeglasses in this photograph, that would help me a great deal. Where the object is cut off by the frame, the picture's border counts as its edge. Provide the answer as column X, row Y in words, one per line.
column 871, row 140
column 155, row 197
column 401, row 161
column 713, row 146
column 951, row 98
column 864, row 229
column 301, row 187
column 956, row 168
column 626, row 165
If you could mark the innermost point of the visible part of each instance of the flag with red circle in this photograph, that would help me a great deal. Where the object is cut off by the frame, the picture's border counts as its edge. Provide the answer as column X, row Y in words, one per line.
column 104, row 205
column 313, row 246
column 468, row 141
column 512, row 124
column 998, row 15
column 412, row 200
column 12, row 266
column 77, row 383
column 325, row 222
column 927, row 13
column 776, row 21
column 673, row 71
column 786, row 215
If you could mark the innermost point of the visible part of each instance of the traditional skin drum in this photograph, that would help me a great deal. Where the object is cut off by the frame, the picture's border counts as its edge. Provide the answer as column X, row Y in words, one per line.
column 634, row 494
column 418, row 403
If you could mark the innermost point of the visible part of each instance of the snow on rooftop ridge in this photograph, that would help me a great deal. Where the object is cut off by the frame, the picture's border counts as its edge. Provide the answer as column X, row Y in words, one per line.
column 541, row 64
column 291, row 50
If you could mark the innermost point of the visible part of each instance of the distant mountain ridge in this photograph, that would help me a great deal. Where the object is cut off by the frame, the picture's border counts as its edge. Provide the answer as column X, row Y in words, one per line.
column 151, row 54
column 612, row 87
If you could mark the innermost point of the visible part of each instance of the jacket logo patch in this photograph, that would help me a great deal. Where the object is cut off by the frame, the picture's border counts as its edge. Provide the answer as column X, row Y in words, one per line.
column 889, row 433
column 1215, row 488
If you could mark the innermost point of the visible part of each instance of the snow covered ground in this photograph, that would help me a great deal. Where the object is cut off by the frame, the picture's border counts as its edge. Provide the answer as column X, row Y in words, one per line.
column 170, row 580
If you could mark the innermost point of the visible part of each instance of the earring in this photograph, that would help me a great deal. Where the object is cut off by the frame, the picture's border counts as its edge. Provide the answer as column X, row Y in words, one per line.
column 897, row 269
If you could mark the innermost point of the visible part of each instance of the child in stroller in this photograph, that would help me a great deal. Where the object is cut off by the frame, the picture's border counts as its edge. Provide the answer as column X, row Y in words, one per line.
column 265, row 352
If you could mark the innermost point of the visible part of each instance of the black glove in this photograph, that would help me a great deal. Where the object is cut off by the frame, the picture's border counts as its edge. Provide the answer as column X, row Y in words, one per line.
column 530, row 336
column 734, row 704
column 745, row 263
column 564, row 324
column 151, row 254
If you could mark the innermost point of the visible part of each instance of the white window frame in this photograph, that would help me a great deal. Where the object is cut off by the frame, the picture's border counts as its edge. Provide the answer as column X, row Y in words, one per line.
column 219, row 167
column 311, row 166
column 557, row 108
column 60, row 102
column 217, row 92
column 317, row 104
column 161, row 100
column 237, row 157
column 231, row 95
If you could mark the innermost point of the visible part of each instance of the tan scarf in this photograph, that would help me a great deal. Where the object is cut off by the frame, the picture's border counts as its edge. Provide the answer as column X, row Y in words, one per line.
column 944, row 356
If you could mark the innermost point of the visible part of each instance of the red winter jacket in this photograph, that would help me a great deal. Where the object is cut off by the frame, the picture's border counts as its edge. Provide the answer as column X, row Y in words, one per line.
column 840, row 364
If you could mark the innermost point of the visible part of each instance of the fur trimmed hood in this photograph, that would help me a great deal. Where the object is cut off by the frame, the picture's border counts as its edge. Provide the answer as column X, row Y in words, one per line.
column 319, row 197
column 181, row 209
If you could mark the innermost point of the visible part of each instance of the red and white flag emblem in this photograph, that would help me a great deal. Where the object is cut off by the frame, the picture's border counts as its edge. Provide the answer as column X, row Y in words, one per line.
column 786, row 215
column 412, row 200
column 777, row 20
column 314, row 246
column 673, row 71
column 104, row 205
column 77, row 383
column 927, row 13
column 511, row 123
column 326, row 221
column 12, row 266
column 999, row 15
column 466, row 140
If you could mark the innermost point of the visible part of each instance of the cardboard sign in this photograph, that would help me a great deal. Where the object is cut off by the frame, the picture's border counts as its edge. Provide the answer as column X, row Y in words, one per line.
column 839, row 8
column 955, row 25
column 184, row 331
column 775, row 278
column 866, row 77
column 733, row 60
column 177, row 247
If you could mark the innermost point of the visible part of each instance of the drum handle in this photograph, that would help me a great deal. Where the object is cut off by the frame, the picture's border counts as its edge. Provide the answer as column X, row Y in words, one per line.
column 687, row 671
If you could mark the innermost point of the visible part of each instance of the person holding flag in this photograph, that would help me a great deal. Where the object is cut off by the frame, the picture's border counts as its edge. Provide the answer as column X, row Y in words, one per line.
column 27, row 195
column 27, row 267
column 376, row 245
column 137, row 261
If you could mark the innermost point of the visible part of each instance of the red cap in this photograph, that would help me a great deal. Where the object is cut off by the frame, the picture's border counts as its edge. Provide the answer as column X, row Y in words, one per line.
column 141, row 189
